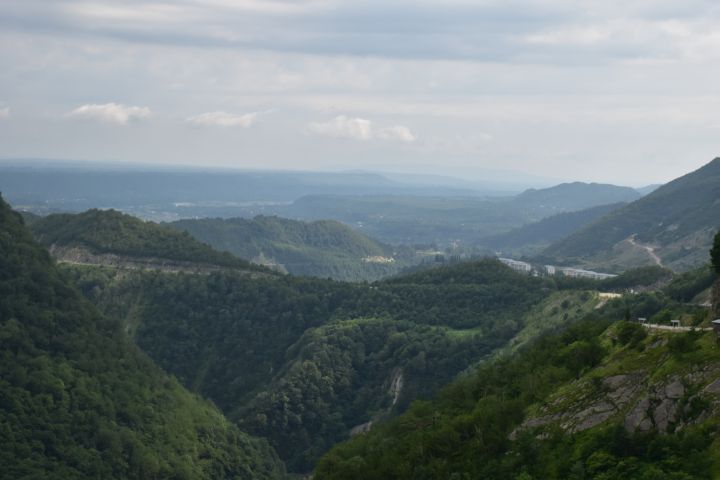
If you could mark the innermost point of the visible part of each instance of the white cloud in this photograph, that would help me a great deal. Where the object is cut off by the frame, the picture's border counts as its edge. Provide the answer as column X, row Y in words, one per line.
column 4, row 112
column 360, row 129
column 397, row 132
column 342, row 126
column 223, row 119
column 110, row 113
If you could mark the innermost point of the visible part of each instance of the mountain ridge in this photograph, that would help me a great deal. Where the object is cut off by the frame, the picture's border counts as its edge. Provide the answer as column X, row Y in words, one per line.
column 677, row 221
column 321, row 248
column 79, row 400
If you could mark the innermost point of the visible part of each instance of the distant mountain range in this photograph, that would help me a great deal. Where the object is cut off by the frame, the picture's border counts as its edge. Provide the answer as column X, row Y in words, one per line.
column 401, row 219
column 178, row 192
column 674, row 226
column 407, row 209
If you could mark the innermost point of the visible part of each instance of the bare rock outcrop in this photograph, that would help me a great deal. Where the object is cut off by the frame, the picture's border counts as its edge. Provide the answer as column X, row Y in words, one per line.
column 664, row 406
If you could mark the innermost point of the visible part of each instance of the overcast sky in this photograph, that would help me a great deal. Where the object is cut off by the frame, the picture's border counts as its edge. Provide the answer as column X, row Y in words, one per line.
column 624, row 91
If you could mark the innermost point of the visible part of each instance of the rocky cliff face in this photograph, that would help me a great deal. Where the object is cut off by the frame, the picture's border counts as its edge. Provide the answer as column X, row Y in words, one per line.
column 653, row 387
column 666, row 406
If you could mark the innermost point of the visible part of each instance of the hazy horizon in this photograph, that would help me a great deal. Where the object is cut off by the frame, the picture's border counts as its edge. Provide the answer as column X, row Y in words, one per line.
column 502, row 180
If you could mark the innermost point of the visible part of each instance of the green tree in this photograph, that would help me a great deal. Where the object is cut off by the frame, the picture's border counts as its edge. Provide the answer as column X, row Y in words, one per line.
column 715, row 253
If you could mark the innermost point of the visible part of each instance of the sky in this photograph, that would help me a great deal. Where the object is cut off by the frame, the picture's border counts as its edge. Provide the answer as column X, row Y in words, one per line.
column 620, row 91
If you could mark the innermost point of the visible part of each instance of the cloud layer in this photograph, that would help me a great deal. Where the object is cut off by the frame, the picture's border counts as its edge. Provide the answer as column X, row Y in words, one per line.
column 223, row 119
column 360, row 129
column 113, row 113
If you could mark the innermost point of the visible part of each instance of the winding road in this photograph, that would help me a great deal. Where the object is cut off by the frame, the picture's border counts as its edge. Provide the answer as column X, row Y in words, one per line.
column 650, row 250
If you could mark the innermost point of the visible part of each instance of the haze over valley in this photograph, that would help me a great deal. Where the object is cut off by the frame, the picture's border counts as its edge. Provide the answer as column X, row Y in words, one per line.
column 284, row 240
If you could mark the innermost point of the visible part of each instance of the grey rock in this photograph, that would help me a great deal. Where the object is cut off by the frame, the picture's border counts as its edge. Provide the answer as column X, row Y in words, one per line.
column 592, row 420
column 664, row 414
column 713, row 388
column 675, row 390
column 614, row 382
column 638, row 416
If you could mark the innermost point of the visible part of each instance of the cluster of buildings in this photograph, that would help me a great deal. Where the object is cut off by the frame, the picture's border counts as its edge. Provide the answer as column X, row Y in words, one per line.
column 525, row 267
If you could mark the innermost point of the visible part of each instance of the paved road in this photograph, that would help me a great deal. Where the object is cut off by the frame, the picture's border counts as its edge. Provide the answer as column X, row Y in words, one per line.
column 656, row 326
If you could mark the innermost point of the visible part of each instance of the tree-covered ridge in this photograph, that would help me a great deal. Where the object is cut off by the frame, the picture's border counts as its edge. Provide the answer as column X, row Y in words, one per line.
column 110, row 231
column 576, row 196
column 78, row 399
column 277, row 355
column 548, row 230
column 715, row 253
column 542, row 413
column 321, row 248
column 678, row 219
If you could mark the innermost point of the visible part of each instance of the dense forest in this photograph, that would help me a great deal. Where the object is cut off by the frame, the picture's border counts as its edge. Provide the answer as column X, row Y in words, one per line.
column 303, row 361
column 542, row 413
column 79, row 400
column 109, row 231
column 322, row 248
column 267, row 350
column 306, row 363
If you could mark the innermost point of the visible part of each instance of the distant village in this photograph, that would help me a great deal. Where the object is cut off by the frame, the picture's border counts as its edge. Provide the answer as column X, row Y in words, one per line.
column 542, row 270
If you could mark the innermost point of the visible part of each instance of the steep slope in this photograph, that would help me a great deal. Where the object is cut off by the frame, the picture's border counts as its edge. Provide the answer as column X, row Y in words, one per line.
column 674, row 225
column 648, row 188
column 597, row 400
column 548, row 230
column 321, row 248
column 111, row 237
column 78, row 400
column 303, row 361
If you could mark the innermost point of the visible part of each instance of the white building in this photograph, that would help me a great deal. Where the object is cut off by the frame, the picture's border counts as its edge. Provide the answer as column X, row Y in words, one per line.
column 517, row 265
column 580, row 273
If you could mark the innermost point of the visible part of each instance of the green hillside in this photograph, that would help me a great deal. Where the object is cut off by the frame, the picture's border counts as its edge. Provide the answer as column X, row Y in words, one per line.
column 78, row 400
column 576, row 196
column 410, row 220
column 302, row 361
column 321, row 248
column 676, row 223
column 99, row 232
column 548, row 230
column 602, row 398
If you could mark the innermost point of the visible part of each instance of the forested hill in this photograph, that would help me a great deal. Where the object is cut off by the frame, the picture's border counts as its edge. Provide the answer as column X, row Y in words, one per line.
column 673, row 225
column 78, row 400
column 602, row 399
column 576, row 196
column 100, row 236
column 548, row 230
column 302, row 361
column 321, row 248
